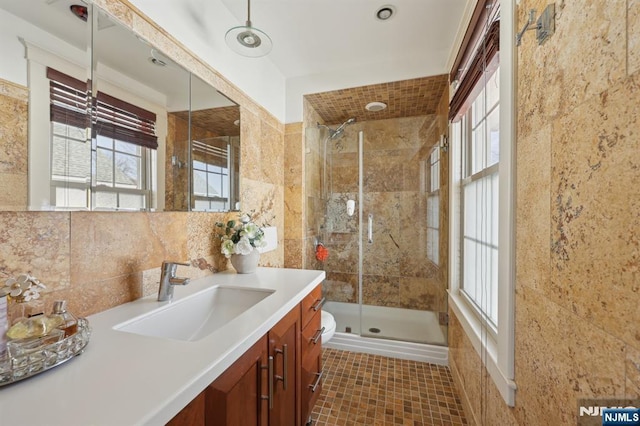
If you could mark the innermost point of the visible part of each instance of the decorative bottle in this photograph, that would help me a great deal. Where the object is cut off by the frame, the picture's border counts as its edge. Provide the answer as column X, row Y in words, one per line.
column 68, row 323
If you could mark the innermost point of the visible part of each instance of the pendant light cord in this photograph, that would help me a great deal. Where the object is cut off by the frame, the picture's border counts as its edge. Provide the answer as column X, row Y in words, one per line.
column 248, row 13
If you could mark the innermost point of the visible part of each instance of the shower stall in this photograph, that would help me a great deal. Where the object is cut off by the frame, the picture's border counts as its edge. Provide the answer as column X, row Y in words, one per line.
column 373, row 192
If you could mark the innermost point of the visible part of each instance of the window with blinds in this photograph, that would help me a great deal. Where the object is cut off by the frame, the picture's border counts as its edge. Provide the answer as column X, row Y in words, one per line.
column 211, row 174
column 112, row 170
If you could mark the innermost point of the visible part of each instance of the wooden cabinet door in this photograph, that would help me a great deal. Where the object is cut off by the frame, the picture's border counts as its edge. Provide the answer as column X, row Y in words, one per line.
column 192, row 414
column 238, row 396
column 284, row 347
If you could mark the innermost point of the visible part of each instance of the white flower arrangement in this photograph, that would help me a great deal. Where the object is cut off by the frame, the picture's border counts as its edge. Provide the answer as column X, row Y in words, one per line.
column 23, row 288
column 240, row 237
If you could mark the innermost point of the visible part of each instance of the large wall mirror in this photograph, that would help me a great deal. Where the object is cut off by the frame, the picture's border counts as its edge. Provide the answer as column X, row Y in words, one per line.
column 110, row 123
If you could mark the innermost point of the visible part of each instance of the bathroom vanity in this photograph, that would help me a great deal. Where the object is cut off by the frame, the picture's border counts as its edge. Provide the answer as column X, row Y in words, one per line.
column 129, row 376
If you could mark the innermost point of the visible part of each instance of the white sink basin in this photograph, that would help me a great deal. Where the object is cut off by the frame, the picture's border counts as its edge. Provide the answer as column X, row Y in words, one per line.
column 196, row 316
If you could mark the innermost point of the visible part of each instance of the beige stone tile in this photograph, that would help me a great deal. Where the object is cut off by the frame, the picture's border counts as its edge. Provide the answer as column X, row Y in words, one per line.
column 341, row 287
column 202, row 245
column 595, row 225
column 14, row 90
column 250, row 134
column 293, row 155
column 380, row 290
column 13, row 136
column 121, row 11
column 90, row 297
column 267, row 203
column 584, row 57
column 36, row 243
column 343, row 253
column 429, row 294
column 466, row 369
column 293, row 253
column 271, row 159
column 293, row 226
column 633, row 34
column 108, row 245
column 632, row 372
column 560, row 351
column 13, row 191
column 533, row 209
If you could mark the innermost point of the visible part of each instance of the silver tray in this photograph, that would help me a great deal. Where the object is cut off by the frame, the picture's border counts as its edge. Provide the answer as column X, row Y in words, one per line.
column 14, row 369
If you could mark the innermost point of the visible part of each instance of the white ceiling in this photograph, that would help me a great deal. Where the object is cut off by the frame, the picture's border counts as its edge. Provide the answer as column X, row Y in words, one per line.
column 318, row 45
column 324, row 36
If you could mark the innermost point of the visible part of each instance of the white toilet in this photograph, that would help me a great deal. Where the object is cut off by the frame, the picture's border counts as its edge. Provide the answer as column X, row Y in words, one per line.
column 329, row 324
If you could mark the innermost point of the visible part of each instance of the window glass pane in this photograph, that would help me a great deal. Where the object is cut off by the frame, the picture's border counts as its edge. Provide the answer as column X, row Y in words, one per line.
column 106, row 200
column 493, row 89
column 199, row 165
column 477, row 108
column 469, row 269
column 225, row 186
column 128, row 147
column 199, row 182
column 132, row 201
column 217, row 206
column 493, row 136
column 104, row 167
column 493, row 311
column 494, row 211
column 470, row 210
column 478, row 148
column 71, row 197
column 127, row 169
column 104, row 142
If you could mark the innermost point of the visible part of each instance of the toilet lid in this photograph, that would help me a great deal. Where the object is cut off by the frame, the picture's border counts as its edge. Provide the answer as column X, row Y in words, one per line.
column 328, row 322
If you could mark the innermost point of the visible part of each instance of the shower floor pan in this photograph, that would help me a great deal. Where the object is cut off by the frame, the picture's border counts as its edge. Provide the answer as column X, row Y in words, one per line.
column 406, row 325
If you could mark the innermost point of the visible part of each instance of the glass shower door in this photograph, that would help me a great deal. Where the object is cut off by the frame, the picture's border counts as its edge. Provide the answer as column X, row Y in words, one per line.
column 383, row 277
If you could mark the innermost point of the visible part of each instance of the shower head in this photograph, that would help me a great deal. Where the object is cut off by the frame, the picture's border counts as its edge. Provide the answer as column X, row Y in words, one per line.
column 333, row 134
column 346, row 123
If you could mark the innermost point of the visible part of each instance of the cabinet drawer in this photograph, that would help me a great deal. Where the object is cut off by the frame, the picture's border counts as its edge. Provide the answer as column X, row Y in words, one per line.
column 311, row 382
column 311, row 304
column 312, row 334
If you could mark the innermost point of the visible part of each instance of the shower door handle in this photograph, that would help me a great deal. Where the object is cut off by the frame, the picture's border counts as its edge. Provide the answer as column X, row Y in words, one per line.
column 370, row 229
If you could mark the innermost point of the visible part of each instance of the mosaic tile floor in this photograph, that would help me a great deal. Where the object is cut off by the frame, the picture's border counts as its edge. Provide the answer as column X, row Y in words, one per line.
column 363, row 389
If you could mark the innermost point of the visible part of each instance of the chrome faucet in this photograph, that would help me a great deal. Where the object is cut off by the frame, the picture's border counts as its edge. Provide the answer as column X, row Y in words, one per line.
column 168, row 279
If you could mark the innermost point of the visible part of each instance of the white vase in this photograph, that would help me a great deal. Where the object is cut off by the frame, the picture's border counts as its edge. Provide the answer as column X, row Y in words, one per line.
column 246, row 263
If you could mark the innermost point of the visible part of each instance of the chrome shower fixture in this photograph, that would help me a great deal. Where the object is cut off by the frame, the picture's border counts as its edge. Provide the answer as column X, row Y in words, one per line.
column 333, row 134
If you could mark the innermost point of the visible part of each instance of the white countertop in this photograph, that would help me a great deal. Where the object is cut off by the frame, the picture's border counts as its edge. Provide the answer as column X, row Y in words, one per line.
column 128, row 379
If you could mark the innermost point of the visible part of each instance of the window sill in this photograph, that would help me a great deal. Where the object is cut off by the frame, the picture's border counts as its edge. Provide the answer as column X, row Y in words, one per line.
column 485, row 344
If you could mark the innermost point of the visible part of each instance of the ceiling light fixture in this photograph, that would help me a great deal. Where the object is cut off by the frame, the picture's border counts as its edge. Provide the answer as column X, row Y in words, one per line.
column 375, row 106
column 384, row 13
column 248, row 40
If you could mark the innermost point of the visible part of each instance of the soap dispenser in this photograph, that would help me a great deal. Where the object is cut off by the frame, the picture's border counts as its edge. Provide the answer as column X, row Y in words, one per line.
column 68, row 323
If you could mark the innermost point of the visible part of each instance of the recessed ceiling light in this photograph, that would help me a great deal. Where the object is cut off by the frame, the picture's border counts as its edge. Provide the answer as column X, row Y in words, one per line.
column 384, row 13
column 375, row 106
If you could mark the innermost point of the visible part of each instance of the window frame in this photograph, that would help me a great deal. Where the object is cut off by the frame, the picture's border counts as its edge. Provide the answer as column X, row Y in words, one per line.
column 497, row 352
column 144, row 175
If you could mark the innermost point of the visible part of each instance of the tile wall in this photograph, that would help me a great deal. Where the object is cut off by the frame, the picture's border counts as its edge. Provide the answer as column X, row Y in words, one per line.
column 577, row 221
column 13, row 145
